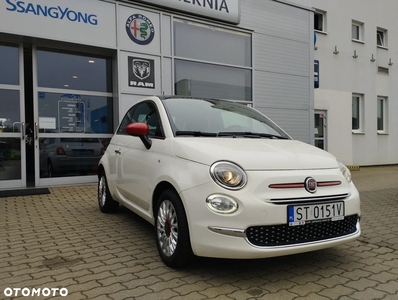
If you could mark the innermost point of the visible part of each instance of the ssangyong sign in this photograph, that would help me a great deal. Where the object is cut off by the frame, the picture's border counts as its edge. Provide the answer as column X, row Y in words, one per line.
column 225, row 10
column 88, row 22
column 53, row 11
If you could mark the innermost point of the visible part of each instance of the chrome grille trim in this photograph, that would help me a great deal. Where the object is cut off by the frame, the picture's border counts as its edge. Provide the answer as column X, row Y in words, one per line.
column 308, row 199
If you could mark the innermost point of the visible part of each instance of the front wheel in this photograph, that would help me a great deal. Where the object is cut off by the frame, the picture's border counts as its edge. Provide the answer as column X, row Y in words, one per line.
column 105, row 200
column 172, row 233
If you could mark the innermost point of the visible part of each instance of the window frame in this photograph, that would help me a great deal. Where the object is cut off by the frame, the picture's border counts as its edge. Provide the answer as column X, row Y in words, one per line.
column 361, row 33
column 322, row 13
column 359, row 112
column 384, row 38
column 384, row 106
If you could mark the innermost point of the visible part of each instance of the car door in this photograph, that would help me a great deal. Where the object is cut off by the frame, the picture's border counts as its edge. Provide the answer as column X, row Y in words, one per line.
column 135, row 163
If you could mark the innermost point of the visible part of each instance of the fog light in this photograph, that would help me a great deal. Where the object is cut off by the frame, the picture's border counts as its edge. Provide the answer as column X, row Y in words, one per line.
column 221, row 204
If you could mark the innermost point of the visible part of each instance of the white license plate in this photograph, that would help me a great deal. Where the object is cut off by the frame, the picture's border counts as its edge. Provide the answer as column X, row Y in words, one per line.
column 304, row 214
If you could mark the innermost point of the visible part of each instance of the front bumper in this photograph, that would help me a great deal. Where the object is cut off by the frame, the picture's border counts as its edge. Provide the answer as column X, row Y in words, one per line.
column 245, row 233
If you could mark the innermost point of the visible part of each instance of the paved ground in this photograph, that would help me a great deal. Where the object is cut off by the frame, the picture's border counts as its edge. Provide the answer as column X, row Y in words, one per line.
column 62, row 240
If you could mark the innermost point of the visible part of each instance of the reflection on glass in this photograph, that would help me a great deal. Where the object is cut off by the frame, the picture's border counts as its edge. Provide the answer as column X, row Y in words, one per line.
column 319, row 119
column 75, row 72
column 9, row 65
column 319, row 144
column 9, row 111
column 212, row 81
column 70, row 113
column 10, row 158
column 209, row 43
column 62, row 157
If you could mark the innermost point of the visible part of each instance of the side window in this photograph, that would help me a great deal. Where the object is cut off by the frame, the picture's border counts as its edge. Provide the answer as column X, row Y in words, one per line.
column 126, row 120
column 144, row 112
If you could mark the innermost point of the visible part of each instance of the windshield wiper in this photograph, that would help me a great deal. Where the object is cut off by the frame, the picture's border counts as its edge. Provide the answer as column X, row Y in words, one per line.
column 252, row 135
column 195, row 133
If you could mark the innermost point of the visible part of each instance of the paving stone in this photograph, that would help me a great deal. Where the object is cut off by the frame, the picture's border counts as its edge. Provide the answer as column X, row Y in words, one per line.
column 63, row 240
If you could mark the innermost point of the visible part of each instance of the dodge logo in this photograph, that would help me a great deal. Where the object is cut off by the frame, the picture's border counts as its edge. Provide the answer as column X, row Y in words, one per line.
column 310, row 184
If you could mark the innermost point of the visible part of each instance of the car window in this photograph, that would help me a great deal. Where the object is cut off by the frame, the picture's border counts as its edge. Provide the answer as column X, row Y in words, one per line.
column 217, row 117
column 126, row 121
column 144, row 112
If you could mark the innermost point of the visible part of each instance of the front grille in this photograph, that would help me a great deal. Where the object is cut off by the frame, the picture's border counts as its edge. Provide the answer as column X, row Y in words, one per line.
column 281, row 235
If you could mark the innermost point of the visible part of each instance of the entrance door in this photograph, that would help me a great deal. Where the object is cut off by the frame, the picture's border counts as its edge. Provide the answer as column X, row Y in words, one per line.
column 12, row 117
column 73, row 114
column 320, row 129
column 56, row 115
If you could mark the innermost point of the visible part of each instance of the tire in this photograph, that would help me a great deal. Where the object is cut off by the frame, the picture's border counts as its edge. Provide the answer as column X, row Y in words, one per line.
column 171, row 231
column 105, row 200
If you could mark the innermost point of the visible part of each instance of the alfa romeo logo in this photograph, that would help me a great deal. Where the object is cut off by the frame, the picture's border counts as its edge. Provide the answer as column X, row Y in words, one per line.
column 140, row 29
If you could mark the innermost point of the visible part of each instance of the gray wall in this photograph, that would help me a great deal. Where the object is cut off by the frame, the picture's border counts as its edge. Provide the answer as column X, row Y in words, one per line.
column 282, row 63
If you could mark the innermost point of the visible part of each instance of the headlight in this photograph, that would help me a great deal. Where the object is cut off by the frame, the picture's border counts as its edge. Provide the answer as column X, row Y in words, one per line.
column 228, row 175
column 221, row 204
column 344, row 171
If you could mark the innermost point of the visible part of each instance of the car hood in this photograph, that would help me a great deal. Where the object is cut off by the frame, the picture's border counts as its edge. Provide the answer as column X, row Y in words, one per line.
column 254, row 153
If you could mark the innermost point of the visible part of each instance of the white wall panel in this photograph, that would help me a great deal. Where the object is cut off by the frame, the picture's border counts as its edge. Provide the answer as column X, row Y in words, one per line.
column 276, row 19
column 281, row 90
column 294, row 122
column 275, row 54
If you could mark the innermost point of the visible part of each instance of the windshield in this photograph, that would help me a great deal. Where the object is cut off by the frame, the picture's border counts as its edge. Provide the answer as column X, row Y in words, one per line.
column 199, row 117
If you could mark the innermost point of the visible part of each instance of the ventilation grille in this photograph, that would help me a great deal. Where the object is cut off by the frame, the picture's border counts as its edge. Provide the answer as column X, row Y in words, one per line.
column 282, row 235
column 382, row 70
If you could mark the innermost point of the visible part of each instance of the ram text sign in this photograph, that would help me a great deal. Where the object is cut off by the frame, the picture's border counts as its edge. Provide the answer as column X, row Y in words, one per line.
column 225, row 10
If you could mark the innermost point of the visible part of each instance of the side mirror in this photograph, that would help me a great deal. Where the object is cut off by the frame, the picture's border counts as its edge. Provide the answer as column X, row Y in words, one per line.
column 140, row 130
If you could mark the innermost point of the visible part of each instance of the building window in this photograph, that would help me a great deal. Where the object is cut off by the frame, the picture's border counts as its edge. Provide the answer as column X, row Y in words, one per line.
column 357, row 113
column 357, row 33
column 320, row 20
column 381, row 114
column 216, row 63
column 382, row 37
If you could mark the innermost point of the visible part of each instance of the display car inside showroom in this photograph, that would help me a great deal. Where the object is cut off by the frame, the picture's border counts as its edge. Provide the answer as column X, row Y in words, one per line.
column 71, row 72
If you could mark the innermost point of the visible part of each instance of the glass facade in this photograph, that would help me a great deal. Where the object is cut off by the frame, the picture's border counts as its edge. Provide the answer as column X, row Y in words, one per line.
column 215, row 63
column 75, row 106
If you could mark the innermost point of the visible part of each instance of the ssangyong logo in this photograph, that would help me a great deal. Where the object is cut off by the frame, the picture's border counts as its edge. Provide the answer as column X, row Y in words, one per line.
column 54, row 12
column 140, row 29
column 310, row 184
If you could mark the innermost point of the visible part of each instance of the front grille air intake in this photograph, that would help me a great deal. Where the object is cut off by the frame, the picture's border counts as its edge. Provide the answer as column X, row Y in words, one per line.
column 282, row 235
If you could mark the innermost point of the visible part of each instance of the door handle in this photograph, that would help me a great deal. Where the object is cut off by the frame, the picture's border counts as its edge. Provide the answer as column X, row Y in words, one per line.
column 118, row 152
column 23, row 130
column 36, row 130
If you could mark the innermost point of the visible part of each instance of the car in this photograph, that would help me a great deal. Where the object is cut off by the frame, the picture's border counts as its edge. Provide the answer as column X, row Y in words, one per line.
column 65, row 156
column 219, row 179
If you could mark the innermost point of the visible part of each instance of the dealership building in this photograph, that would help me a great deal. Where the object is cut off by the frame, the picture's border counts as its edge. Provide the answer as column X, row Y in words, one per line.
column 71, row 69
column 356, row 46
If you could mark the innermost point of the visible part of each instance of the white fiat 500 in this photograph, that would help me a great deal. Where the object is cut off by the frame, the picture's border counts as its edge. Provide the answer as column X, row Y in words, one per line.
column 220, row 179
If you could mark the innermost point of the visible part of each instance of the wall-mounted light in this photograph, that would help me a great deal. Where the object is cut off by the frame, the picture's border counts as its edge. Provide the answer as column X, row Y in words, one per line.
column 355, row 54
column 372, row 59
column 390, row 63
column 91, row 61
column 74, row 77
column 335, row 50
